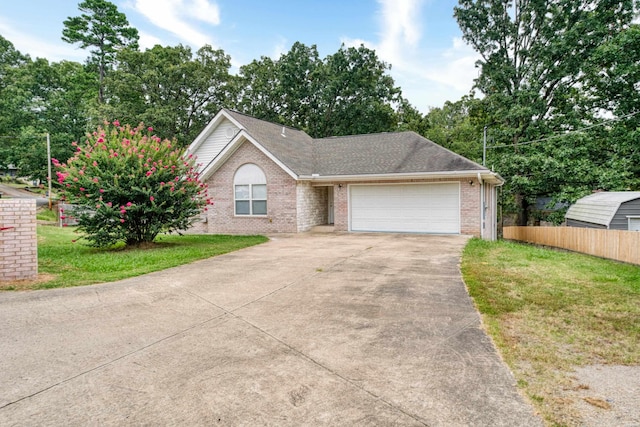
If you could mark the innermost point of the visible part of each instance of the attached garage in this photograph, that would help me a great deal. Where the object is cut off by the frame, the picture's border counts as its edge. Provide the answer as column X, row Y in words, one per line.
column 417, row 208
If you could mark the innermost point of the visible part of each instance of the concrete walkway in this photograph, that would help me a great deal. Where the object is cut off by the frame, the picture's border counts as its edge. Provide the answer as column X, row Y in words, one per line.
column 313, row 329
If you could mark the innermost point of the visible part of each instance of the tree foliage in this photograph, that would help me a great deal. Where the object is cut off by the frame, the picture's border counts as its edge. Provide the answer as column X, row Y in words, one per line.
column 105, row 30
column 348, row 92
column 169, row 87
column 36, row 98
column 534, row 58
column 130, row 186
column 458, row 126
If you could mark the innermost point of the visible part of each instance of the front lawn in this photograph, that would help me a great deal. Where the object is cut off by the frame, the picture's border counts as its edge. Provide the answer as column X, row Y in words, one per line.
column 61, row 262
column 550, row 311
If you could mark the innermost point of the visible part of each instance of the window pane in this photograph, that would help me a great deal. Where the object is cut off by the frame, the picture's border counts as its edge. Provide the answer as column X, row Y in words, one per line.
column 259, row 191
column 259, row 207
column 242, row 208
column 242, row 192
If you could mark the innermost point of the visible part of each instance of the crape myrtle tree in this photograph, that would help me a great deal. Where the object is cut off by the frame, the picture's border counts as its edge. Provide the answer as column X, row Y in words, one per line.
column 130, row 186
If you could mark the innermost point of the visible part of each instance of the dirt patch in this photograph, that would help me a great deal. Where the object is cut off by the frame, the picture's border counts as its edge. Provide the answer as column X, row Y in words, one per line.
column 25, row 285
column 608, row 395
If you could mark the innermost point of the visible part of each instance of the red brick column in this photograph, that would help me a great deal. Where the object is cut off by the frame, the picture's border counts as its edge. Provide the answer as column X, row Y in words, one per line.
column 18, row 240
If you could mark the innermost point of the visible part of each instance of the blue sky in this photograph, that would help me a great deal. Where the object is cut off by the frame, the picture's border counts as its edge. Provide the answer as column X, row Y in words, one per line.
column 419, row 38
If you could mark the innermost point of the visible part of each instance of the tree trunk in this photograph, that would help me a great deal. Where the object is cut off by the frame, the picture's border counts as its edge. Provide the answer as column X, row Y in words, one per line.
column 522, row 209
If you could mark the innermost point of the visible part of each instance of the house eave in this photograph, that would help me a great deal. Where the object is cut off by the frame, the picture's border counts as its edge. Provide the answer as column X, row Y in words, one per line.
column 487, row 176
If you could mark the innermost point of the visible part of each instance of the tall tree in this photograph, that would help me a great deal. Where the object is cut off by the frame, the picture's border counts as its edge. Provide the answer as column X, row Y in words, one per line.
column 12, row 99
column 357, row 94
column 533, row 57
column 458, row 126
column 105, row 30
column 170, row 88
column 348, row 92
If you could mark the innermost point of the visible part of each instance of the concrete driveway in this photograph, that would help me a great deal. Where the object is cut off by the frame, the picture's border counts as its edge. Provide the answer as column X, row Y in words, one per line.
column 312, row 329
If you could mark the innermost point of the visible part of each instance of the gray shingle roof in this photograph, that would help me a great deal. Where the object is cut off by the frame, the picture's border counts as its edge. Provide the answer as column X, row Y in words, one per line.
column 371, row 154
column 383, row 153
column 295, row 149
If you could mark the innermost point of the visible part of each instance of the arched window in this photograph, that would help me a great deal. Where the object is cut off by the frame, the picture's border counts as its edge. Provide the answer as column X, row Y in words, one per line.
column 250, row 190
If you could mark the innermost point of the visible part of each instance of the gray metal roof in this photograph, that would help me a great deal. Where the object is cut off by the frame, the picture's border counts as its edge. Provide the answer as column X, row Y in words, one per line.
column 600, row 208
column 370, row 154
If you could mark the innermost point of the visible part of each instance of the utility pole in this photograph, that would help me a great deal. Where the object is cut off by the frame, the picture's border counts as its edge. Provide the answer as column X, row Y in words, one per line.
column 49, row 167
column 484, row 146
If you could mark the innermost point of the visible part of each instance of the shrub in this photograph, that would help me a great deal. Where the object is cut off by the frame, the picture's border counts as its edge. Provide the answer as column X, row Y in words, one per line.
column 131, row 184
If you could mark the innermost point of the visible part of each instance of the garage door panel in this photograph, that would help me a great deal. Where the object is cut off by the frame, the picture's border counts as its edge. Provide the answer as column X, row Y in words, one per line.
column 426, row 208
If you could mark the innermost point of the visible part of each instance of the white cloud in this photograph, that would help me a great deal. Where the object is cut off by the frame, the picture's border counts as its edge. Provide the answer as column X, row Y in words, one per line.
column 178, row 16
column 279, row 49
column 427, row 75
column 147, row 41
column 204, row 11
column 357, row 42
column 401, row 30
column 455, row 67
column 40, row 48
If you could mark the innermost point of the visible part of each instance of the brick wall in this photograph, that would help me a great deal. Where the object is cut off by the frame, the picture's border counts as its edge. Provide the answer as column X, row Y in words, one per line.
column 286, row 198
column 470, row 222
column 18, row 242
column 281, row 197
column 340, row 207
column 312, row 206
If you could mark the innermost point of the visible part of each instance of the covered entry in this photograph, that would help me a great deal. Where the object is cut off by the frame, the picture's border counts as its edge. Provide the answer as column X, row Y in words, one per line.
column 420, row 208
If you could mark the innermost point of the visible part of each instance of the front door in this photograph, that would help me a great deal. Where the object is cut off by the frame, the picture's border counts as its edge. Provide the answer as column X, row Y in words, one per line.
column 330, row 205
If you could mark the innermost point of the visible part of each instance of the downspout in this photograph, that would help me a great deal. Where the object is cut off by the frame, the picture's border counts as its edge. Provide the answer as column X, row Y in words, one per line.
column 482, row 209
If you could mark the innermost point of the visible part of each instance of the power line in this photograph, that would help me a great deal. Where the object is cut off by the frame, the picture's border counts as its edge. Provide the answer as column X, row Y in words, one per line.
column 535, row 141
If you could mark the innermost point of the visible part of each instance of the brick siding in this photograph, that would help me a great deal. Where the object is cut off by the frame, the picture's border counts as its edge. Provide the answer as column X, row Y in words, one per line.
column 298, row 206
column 281, row 197
column 312, row 206
column 18, row 242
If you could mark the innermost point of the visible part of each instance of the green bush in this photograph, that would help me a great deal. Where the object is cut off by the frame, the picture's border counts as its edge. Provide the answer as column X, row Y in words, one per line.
column 131, row 186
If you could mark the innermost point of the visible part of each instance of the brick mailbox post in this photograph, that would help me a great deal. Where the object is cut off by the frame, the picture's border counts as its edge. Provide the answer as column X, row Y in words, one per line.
column 18, row 240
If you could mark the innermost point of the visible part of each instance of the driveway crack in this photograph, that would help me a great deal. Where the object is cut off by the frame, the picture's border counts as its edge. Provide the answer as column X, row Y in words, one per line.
column 112, row 361
column 304, row 355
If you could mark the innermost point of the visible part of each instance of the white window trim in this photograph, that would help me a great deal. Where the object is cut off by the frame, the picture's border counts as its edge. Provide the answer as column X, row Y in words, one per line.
column 251, row 176
column 250, row 200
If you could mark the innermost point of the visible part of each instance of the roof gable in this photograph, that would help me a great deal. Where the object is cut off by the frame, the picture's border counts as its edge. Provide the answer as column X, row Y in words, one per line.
column 292, row 147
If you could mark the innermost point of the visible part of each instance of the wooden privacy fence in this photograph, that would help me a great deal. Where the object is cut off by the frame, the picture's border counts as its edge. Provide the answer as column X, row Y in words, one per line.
column 613, row 244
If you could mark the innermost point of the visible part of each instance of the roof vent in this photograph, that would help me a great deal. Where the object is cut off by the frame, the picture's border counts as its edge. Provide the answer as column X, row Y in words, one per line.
column 284, row 135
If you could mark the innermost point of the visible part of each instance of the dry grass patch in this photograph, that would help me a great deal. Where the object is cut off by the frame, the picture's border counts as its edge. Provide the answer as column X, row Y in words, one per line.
column 551, row 311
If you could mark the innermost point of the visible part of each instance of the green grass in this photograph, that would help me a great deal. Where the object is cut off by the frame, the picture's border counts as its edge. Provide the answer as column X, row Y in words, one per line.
column 62, row 263
column 549, row 311
column 47, row 215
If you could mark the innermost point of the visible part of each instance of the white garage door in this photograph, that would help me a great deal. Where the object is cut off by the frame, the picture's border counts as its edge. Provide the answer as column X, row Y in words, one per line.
column 422, row 208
